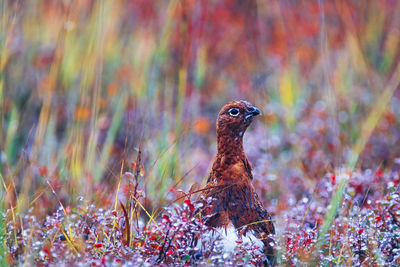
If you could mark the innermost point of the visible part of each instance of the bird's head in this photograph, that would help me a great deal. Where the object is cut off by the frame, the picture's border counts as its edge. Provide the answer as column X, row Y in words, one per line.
column 235, row 117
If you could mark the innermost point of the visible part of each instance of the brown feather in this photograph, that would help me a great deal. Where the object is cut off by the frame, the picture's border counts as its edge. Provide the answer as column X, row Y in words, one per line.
column 234, row 200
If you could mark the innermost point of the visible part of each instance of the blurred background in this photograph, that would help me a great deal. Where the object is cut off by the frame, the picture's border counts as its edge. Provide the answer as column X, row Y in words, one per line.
column 85, row 85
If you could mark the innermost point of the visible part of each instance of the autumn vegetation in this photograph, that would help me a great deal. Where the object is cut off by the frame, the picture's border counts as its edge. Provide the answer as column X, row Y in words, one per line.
column 107, row 128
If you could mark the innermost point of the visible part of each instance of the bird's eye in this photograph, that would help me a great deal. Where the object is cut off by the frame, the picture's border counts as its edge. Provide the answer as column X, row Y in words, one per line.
column 234, row 112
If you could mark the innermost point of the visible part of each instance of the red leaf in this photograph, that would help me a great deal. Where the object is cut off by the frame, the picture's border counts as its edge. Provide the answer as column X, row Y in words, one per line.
column 142, row 171
column 68, row 210
column 166, row 217
column 360, row 231
column 156, row 247
column 333, row 179
column 43, row 171
column 379, row 173
column 189, row 203
column 133, row 164
column 358, row 188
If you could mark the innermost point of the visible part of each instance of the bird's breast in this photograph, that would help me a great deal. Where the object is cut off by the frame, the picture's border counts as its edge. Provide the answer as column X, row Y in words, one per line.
column 233, row 173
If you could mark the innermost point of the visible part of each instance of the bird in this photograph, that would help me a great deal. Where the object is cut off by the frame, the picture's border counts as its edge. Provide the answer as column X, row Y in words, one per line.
column 229, row 197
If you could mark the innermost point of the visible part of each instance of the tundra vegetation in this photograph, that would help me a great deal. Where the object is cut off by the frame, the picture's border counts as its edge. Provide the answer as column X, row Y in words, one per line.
column 107, row 128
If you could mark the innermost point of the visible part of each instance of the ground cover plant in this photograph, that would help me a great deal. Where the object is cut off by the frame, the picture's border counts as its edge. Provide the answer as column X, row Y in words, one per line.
column 107, row 129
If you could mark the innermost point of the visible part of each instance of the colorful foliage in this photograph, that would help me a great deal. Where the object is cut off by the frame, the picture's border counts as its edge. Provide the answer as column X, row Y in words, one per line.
column 107, row 114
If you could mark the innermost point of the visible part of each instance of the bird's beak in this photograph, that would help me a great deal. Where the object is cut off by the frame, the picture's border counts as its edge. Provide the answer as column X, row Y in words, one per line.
column 251, row 112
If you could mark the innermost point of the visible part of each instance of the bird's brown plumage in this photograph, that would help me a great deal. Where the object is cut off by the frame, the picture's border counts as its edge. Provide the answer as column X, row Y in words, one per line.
column 229, row 191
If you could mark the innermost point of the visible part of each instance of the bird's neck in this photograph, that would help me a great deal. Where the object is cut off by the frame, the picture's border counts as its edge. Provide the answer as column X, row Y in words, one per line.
column 230, row 145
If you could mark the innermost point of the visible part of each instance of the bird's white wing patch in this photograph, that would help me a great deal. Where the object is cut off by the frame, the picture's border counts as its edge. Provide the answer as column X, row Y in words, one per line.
column 229, row 239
